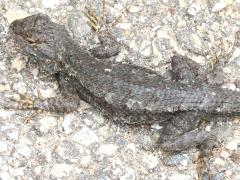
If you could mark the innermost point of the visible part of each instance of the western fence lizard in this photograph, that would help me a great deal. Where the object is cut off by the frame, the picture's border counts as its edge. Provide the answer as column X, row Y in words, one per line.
column 126, row 93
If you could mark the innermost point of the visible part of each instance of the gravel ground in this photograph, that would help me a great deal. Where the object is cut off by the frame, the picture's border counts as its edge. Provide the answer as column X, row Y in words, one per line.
column 84, row 145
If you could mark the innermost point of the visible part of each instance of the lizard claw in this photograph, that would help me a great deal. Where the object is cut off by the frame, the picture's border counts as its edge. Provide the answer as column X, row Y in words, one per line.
column 108, row 46
column 20, row 102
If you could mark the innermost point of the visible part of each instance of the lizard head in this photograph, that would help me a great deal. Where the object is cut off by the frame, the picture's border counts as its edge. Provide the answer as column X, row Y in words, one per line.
column 42, row 39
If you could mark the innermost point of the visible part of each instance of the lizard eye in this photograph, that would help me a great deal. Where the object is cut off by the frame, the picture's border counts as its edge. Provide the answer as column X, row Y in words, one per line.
column 31, row 41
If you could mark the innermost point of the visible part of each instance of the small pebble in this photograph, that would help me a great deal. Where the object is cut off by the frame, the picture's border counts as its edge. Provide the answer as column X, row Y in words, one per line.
column 47, row 93
column 5, row 175
column 12, row 15
column 156, row 126
column 220, row 5
column 107, row 149
column 220, row 162
column 178, row 176
column 47, row 123
column 150, row 161
column 61, row 170
column 3, row 146
column 67, row 122
column 18, row 63
column 232, row 145
column 20, row 87
column 224, row 154
column 230, row 86
column 85, row 160
column 13, row 135
column 192, row 11
column 51, row 4
column 130, row 175
column 85, row 137
column 24, row 151
column 37, row 170
column 4, row 87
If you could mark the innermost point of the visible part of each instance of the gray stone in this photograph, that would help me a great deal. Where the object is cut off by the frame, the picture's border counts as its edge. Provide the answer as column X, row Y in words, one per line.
column 178, row 160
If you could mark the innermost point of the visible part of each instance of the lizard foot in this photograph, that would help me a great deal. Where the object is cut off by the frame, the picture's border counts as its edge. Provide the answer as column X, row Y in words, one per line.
column 108, row 46
column 202, row 167
column 55, row 104
column 20, row 102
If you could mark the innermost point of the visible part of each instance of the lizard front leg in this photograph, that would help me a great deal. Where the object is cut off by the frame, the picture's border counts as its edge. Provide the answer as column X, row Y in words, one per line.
column 108, row 46
column 68, row 101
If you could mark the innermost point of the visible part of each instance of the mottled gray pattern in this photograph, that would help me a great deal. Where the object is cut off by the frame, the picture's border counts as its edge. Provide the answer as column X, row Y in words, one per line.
column 126, row 93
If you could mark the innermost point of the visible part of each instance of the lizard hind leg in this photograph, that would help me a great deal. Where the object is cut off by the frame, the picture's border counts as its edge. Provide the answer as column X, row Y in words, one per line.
column 185, row 70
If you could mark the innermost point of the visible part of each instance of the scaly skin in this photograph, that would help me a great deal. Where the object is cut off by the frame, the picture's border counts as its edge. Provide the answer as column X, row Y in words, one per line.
column 126, row 93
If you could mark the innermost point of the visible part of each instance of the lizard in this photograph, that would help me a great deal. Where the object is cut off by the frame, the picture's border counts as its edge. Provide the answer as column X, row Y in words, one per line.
column 125, row 93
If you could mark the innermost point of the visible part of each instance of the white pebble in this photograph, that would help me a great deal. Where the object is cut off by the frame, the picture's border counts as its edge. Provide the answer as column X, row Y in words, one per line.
column 47, row 93
column 130, row 175
column 178, row 176
column 5, row 114
column 18, row 171
column 61, row 170
column 47, row 123
column 221, row 4
column 146, row 48
column 224, row 154
column 85, row 160
column 12, row 15
column 230, row 86
column 24, row 151
column 232, row 145
column 156, row 126
column 3, row 146
column 208, row 128
column 108, row 149
column 192, row 11
column 219, row 162
column 131, row 147
column 5, row 175
column 66, row 124
column 18, row 63
column 13, row 135
column 20, row 87
column 51, row 3
column 4, row 87
column 134, row 9
column 85, row 137
column 150, row 161
column 37, row 170
column 125, row 26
